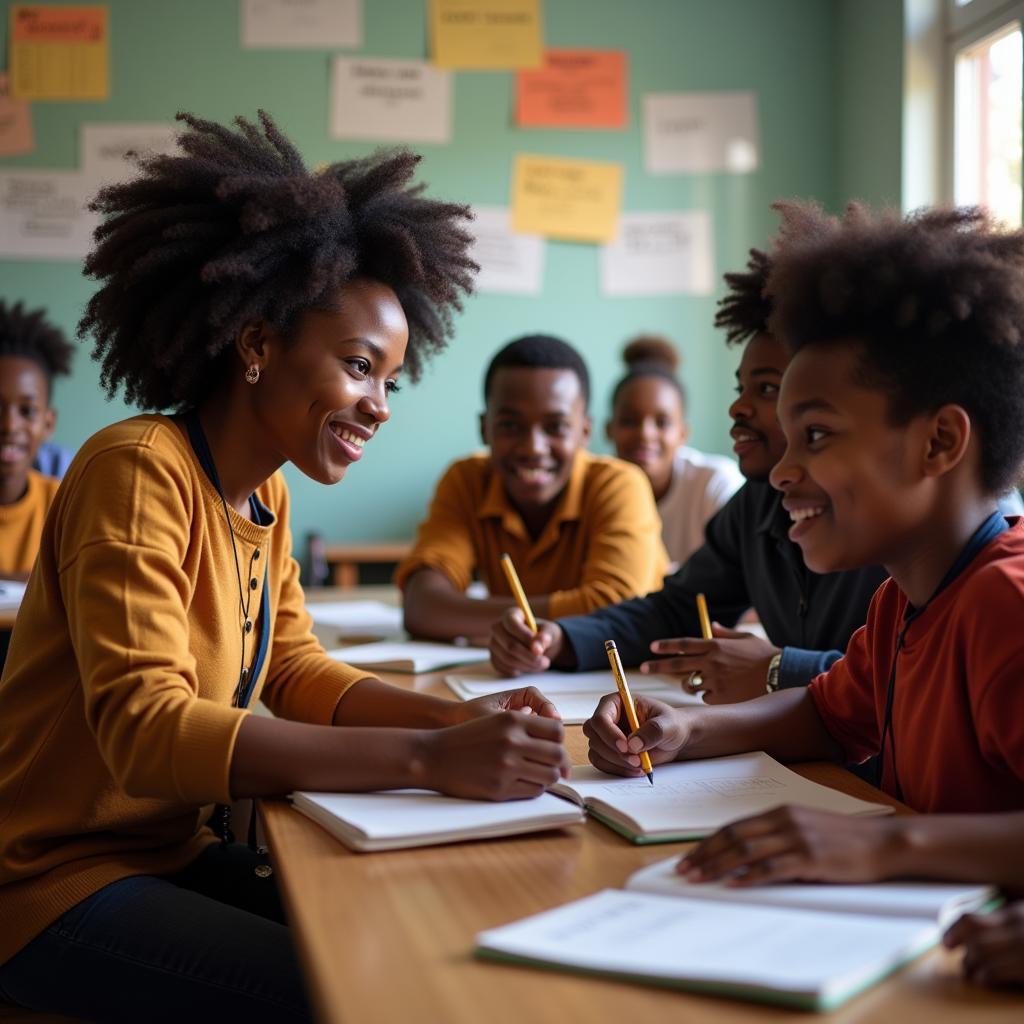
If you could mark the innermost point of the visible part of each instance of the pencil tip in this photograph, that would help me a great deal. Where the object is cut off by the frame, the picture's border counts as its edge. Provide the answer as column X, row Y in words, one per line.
column 650, row 777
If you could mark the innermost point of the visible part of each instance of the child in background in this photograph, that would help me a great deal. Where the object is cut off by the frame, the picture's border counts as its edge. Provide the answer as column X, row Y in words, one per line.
column 32, row 353
column 903, row 410
column 648, row 428
column 582, row 530
column 271, row 310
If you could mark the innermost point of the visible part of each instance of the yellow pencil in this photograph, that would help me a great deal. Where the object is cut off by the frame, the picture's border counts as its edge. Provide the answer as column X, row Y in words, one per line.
column 627, row 703
column 517, row 592
column 705, row 619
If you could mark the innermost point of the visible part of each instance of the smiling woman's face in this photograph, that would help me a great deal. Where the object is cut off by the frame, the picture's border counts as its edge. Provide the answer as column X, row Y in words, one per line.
column 323, row 394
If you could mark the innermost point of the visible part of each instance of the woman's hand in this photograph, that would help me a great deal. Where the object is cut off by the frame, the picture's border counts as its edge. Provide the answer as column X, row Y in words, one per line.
column 993, row 946
column 733, row 665
column 503, row 756
column 796, row 843
column 663, row 731
column 527, row 699
column 515, row 649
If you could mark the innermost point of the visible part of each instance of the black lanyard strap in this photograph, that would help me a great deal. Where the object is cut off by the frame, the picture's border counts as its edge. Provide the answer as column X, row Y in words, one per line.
column 993, row 526
column 247, row 676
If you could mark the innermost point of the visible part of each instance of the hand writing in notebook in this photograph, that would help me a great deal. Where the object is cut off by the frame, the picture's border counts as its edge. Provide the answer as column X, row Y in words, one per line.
column 613, row 750
column 796, row 844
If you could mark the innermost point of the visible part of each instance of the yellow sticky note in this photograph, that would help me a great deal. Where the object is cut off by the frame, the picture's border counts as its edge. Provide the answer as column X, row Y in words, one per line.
column 59, row 53
column 486, row 34
column 575, row 200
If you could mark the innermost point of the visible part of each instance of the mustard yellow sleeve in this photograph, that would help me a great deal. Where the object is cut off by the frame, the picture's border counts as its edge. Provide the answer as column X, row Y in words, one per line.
column 124, row 540
column 626, row 557
column 444, row 540
column 302, row 683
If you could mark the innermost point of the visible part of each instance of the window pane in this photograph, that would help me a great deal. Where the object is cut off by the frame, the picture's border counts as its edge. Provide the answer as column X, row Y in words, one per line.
column 988, row 118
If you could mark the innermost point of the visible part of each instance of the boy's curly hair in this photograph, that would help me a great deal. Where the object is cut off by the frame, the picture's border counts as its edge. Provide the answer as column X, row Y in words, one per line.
column 31, row 336
column 745, row 310
column 935, row 301
column 237, row 229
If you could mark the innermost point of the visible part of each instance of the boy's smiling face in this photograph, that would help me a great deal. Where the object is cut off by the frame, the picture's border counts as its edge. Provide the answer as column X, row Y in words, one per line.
column 535, row 422
column 852, row 481
column 757, row 437
column 26, row 420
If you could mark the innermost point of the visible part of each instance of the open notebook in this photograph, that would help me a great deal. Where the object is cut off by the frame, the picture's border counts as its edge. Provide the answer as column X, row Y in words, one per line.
column 691, row 799
column 575, row 694
column 409, row 656
column 416, row 817
column 11, row 593
column 747, row 948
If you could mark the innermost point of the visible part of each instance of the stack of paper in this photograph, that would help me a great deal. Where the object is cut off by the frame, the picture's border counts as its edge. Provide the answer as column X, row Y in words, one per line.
column 409, row 656
column 414, row 817
column 357, row 618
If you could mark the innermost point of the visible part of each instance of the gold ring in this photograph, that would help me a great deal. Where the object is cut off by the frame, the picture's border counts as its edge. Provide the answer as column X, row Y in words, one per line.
column 695, row 682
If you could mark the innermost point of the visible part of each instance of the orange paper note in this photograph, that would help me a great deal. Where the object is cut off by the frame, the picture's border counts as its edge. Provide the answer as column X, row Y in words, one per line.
column 574, row 89
column 574, row 200
column 16, row 135
column 59, row 53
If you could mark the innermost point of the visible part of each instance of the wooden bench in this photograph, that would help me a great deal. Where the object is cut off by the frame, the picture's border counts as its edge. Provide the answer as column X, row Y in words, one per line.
column 345, row 560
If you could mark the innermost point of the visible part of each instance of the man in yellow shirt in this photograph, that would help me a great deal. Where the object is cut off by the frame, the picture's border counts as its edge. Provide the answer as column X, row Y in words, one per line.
column 581, row 529
column 32, row 351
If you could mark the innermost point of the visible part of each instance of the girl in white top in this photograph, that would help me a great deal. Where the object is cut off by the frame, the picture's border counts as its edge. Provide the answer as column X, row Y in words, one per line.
column 648, row 427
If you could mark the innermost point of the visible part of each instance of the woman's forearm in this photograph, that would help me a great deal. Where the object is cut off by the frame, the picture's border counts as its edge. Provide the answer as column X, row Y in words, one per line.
column 273, row 756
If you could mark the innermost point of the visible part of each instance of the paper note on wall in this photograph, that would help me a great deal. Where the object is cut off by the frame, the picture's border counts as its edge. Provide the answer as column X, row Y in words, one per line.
column 574, row 200
column 660, row 254
column 16, row 136
column 510, row 263
column 301, row 24
column 43, row 215
column 394, row 100
column 486, row 34
column 59, row 53
column 103, row 148
column 700, row 132
column 574, row 89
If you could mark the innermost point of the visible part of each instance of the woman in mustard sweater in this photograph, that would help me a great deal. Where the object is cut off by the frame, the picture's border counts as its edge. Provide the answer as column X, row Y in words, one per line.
column 271, row 311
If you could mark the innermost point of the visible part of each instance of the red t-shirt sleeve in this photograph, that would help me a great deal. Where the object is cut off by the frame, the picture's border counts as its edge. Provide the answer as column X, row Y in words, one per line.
column 849, row 697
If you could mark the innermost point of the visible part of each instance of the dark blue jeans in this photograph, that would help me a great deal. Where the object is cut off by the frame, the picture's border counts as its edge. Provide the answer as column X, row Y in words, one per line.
column 210, row 943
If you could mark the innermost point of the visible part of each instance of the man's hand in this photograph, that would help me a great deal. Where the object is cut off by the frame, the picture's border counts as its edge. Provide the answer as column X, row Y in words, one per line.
column 733, row 665
column 516, row 650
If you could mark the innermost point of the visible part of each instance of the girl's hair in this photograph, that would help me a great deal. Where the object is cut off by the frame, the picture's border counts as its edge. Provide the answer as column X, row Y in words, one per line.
column 31, row 336
column 236, row 229
column 651, row 355
column 745, row 310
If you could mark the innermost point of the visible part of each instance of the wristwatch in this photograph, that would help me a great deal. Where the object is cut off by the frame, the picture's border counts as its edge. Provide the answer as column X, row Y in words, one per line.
column 772, row 682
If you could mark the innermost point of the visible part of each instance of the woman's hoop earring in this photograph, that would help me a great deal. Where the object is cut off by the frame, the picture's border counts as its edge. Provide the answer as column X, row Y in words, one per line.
column 252, row 375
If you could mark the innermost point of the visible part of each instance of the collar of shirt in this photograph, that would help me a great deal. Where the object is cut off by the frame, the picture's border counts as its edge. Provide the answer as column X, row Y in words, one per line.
column 496, row 505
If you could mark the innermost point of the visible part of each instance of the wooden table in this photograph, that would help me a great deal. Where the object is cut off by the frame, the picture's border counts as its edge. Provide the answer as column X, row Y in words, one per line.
column 389, row 936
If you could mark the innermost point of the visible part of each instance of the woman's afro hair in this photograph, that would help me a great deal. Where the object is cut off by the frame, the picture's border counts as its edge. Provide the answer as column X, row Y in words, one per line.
column 235, row 229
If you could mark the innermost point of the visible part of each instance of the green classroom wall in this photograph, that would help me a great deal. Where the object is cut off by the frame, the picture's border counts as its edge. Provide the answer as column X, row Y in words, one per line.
column 803, row 59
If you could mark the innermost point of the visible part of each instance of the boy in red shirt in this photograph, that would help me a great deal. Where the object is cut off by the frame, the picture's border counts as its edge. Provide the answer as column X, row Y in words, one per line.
column 903, row 410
